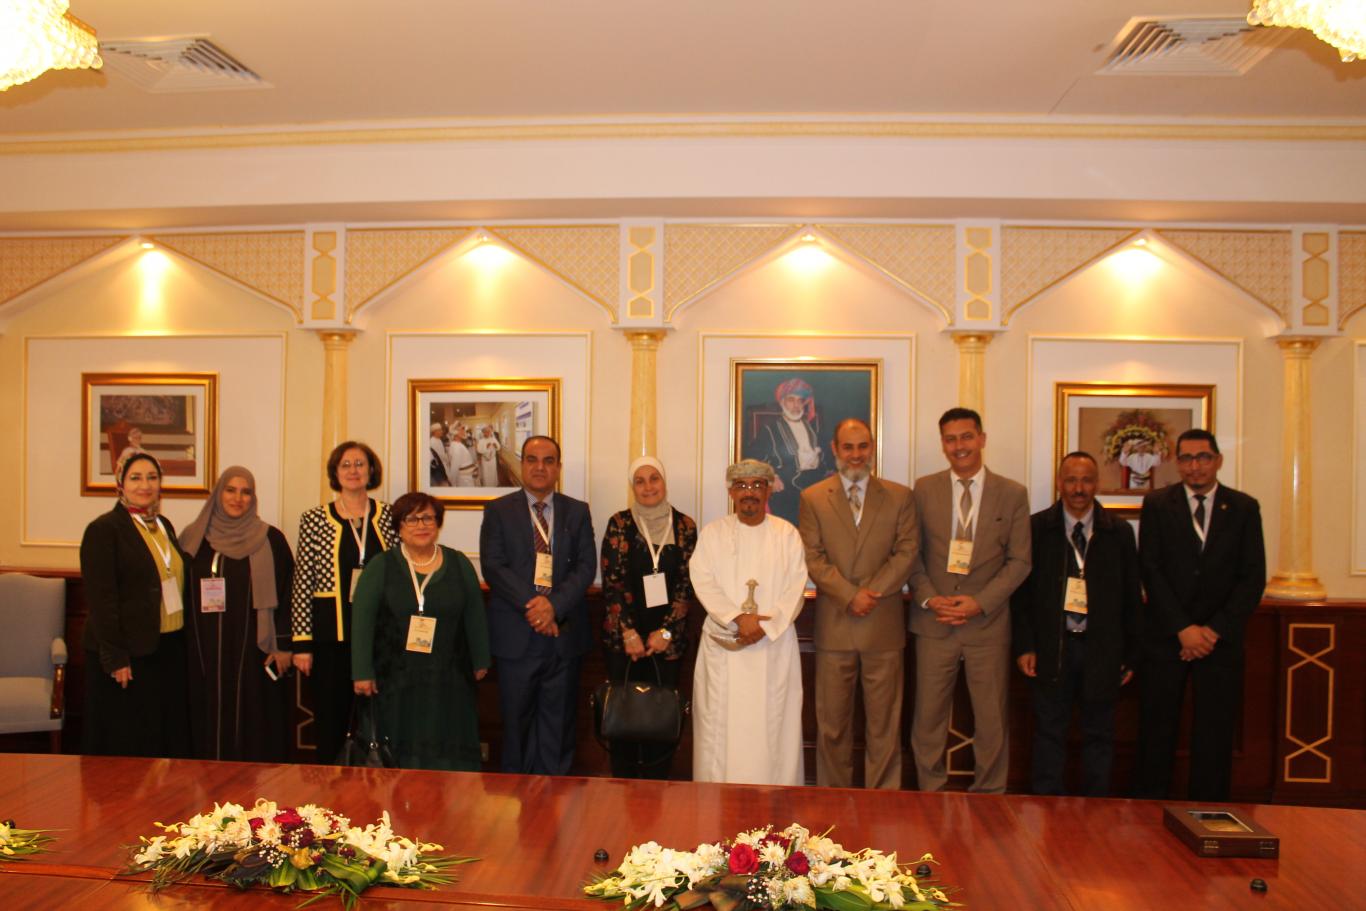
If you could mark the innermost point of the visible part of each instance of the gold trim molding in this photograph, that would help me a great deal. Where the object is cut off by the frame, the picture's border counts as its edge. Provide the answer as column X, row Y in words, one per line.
column 158, row 141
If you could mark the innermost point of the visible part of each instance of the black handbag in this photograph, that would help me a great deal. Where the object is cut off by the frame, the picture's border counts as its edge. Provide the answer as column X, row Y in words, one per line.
column 637, row 710
column 364, row 746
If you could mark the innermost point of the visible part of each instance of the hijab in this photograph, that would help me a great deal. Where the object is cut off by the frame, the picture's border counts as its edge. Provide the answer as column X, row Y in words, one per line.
column 243, row 537
column 657, row 520
column 147, row 514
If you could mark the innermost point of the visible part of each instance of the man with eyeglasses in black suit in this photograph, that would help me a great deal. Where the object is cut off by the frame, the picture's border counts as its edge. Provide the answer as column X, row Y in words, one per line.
column 1204, row 569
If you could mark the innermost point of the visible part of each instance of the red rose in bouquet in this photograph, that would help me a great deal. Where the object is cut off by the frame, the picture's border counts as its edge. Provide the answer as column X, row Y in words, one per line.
column 797, row 863
column 743, row 859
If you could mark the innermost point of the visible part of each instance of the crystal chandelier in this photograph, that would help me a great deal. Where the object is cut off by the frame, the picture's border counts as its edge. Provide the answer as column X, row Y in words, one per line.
column 40, row 35
column 1341, row 23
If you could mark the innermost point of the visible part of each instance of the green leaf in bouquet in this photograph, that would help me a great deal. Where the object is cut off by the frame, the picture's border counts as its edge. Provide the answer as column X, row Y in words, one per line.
column 842, row 901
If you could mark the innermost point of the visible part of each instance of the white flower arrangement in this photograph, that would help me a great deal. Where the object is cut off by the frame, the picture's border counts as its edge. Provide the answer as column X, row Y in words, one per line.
column 763, row 869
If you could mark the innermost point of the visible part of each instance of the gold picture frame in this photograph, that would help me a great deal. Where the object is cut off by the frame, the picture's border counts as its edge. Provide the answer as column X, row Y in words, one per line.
column 833, row 390
column 173, row 416
column 1131, row 429
column 513, row 409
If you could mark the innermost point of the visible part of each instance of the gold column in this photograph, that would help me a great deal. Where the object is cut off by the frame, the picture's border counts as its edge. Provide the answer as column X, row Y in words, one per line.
column 1295, row 579
column 643, row 437
column 335, row 343
column 972, row 370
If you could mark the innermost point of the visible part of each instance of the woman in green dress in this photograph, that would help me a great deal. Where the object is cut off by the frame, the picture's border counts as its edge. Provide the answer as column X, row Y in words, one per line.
column 420, row 642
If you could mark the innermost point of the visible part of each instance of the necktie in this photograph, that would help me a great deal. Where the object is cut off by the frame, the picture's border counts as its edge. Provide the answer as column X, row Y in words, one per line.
column 964, row 510
column 1079, row 539
column 542, row 540
column 1200, row 515
column 1076, row 623
column 855, row 502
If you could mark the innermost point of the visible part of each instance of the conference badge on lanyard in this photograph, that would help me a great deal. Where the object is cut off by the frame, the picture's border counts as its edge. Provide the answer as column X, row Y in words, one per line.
column 213, row 592
column 170, row 586
column 1074, row 599
column 656, row 586
column 421, row 628
column 960, row 550
column 545, row 564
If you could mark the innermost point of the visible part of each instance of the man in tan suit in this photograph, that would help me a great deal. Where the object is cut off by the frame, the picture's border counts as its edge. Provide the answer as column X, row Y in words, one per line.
column 861, row 541
column 974, row 534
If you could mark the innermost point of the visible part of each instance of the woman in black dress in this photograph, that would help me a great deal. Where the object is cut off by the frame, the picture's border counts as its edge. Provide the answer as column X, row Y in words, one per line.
column 238, row 627
column 336, row 540
column 134, row 577
column 647, row 591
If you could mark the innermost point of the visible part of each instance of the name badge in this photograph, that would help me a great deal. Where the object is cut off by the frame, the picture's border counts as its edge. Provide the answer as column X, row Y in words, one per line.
column 421, row 633
column 213, row 596
column 170, row 595
column 355, row 580
column 656, row 590
column 545, row 572
column 1074, row 601
column 960, row 557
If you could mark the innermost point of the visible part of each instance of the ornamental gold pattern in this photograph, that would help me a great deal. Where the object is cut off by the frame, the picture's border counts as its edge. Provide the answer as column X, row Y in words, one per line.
column 697, row 257
column 1351, row 274
column 918, row 256
column 1034, row 259
column 1309, row 644
column 270, row 262
column 588, row 257
column 1259, row 262
column 377, row 258
column 27, row 262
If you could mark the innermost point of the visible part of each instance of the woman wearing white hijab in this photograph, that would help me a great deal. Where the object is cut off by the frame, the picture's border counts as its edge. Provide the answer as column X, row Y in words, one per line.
column 134, row 576
column 647, row 592
column 238, row 623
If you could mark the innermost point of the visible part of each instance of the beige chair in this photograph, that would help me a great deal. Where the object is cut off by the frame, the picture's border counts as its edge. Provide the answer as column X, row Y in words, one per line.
column 32, row 655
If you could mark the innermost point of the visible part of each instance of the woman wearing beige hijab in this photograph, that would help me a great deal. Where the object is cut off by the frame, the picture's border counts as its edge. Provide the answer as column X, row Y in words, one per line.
column 238, row 625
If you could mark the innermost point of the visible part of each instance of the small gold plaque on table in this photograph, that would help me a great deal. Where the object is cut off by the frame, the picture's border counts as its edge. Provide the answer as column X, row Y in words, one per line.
column 1220, row 832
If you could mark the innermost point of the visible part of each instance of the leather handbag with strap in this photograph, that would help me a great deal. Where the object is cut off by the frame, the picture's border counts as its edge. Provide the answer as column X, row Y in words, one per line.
column 365, row 746
column 637, row 710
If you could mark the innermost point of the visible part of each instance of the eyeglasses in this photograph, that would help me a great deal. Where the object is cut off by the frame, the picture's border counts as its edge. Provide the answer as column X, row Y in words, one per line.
column 749, row 485
column 1204, row 458
column 349, row 465
column 414, row 521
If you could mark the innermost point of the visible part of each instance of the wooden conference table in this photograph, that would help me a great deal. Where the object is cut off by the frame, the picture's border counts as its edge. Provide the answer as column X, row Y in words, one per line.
column 536, row 836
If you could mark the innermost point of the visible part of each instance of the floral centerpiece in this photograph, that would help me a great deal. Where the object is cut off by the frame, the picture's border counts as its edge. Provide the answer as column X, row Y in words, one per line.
column 761, row 868
column 16, row 843
column 291, row 849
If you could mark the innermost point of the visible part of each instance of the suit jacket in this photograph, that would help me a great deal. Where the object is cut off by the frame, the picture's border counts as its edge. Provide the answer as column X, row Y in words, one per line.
column 122, row 589
column 1113, row 600
column 1219, row 586
column 842, row 557
column 507, row 557
column 1000, row 554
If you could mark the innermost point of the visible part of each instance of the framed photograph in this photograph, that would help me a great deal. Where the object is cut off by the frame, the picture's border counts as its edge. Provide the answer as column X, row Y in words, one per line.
column 465, row 436
column 784, row 412
column 1132, row 432
column 172, row 416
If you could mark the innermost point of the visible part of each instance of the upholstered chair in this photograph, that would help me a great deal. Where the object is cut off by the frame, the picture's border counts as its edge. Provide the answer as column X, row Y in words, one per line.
column 32, row 655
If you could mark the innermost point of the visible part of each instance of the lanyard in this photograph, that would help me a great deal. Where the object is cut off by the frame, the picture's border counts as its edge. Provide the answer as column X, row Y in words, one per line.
column 540, row 532
column 1200, row 529
column 165, row 554
column 363, row 536
column 419, row 589
column 213, row 567
column 650, row 546
column 1081, row 560
column 966, row 521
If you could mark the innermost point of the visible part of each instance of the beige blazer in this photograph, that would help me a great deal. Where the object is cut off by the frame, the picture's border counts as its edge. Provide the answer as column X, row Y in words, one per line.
column 842, row 557
column 1000, row 554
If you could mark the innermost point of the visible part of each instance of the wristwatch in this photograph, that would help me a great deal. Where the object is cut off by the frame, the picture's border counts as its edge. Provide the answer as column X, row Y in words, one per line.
column 668, row 636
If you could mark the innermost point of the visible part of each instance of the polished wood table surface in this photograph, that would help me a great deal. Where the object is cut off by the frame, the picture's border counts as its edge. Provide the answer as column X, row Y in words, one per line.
column 537, row 836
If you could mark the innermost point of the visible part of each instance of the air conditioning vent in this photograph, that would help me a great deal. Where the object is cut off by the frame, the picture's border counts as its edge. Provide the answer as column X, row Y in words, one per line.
column 1190, row 46
column 178, row 65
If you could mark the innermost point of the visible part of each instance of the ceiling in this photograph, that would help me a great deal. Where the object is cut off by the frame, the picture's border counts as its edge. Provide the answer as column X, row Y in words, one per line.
column 362, row 61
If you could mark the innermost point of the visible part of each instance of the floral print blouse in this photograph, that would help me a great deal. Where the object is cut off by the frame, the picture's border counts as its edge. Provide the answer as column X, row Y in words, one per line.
column 625, row 563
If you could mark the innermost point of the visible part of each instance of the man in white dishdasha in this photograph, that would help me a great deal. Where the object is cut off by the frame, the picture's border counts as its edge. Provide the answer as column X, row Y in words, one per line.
column 749, row 572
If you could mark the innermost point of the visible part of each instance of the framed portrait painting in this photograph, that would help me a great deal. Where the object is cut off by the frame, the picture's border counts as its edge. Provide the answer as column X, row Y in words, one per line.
column 465, row 436
column 784, row 412
column 1132, row 431
column 172, row 416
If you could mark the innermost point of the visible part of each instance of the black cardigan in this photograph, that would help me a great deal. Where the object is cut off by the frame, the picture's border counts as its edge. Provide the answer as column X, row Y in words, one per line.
column 122, row 589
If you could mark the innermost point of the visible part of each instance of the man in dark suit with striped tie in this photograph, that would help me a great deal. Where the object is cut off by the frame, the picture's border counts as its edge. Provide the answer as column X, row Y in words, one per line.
column 1204, row 569
column 537, row 554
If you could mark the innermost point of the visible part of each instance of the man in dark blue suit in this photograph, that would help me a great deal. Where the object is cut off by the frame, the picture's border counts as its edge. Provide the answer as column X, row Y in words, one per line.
column 1204, row 569
column 538, row 557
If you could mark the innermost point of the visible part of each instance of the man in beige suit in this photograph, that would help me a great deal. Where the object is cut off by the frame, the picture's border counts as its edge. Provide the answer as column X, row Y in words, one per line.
column 974, row 552
column 861, row 541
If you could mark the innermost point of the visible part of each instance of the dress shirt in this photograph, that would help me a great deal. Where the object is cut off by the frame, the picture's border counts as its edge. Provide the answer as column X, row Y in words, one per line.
column 956, row 496
column 1192, row 503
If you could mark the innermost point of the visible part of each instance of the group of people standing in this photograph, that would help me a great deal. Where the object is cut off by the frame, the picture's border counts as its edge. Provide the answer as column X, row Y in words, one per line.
column 460, row 458
column 193, row 635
